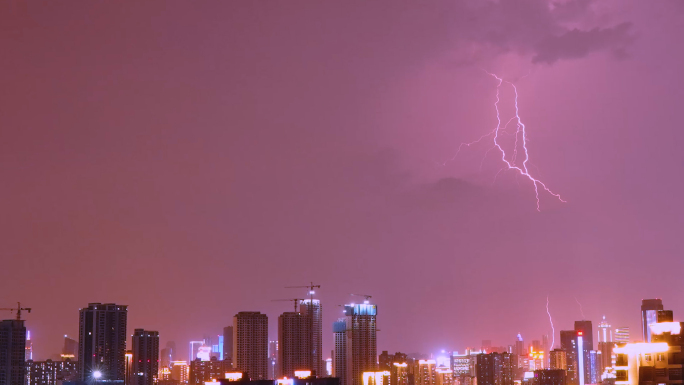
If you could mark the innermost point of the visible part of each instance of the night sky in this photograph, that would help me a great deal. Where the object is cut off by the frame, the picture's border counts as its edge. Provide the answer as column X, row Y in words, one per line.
column 191, row 159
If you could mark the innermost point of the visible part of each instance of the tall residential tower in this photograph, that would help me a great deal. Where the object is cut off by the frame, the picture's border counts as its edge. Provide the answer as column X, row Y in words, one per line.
column 102, row 342
column 145, row 356
column 250, row 344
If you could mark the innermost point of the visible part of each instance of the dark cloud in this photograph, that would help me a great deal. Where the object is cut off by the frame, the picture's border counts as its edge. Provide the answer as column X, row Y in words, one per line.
column 576, row 44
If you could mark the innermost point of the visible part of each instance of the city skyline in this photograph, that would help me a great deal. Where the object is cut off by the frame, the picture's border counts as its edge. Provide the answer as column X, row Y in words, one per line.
column 192, row 160
column 529, row 339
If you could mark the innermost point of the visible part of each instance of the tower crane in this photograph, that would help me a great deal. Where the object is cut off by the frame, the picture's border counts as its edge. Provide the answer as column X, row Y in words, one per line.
column 18, row 309
column 295, row 300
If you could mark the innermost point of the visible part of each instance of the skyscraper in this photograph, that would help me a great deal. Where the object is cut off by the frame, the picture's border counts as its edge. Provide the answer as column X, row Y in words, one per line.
column 495, row 369
column 425, row 372
column 314, row 310
column 250, row 344
column 145, row 356
column 558, row 359
column 649, row 315
column 272, row 359
column 12, row 352
column 294, row 343
column 585, row 331
column 70, row 349
column 227, row 344
column 605, row 345
column 28, row 356
column 605, row 332
column 569, row 346
column 340, row 352
column 102, row 342
column 362, row 352
column 519, row 346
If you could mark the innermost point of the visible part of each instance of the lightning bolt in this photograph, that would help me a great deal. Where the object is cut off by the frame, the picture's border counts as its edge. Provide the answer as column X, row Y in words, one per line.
column 520, row 141
column 553, row 331
column 580, row 305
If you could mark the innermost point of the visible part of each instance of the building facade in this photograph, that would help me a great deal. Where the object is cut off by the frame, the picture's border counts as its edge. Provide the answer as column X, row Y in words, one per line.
column 250, row 344
column 51, row 372
column 207, row 371
column 340, row 351
column 294, row 344
column 102, row 342
column 314, row 310
column 12, row 352
column 361, row 341
column 496, row 368
column 145, row 356
column 649, row 315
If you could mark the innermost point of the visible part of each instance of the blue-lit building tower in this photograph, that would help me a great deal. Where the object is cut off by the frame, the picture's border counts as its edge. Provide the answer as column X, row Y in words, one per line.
column 356, row 341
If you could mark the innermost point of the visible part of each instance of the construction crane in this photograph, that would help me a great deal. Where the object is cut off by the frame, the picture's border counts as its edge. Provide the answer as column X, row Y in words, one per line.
column 366, row 296
column 18, row 309
column 295, row 300
column 311, row 288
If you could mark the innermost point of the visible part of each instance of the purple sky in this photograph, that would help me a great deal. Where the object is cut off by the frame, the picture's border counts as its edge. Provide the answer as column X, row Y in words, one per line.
column 190, row 159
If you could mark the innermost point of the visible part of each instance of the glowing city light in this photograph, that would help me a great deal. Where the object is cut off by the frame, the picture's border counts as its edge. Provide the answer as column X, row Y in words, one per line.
column 302, row 373
column 666, row 327
column 97, row 374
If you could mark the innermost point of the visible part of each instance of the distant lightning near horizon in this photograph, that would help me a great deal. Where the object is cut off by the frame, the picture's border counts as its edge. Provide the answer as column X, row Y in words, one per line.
column 553, row 330
column 580, row 305
column 520, row 138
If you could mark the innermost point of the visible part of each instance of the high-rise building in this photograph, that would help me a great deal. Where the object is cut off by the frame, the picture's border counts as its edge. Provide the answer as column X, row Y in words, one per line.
column 180, row 371
column 207, row 371
column 28, row 355
column 12, row 352
column 294, row 343
column 658, row 362
column 445, row 376
column 397, row 365
column 550, row 377
column 194, row 349
column 569, row 346
column 250, row 344
column 165, row 358
column 622, row 335
column 425, row 372
column 519, row 346
column 145, row 356
column 312, row 308
column 51, row 372
column 649, row 315
column 495, row 369
column 227, row 344
column 272, row 359
column 361, row 339
column 340, row 352
column 558, row 359
column 605, row 332
column 605, row 345
column 102, row 342
column 585, row 331
column 594, row 367
column 70, row 349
